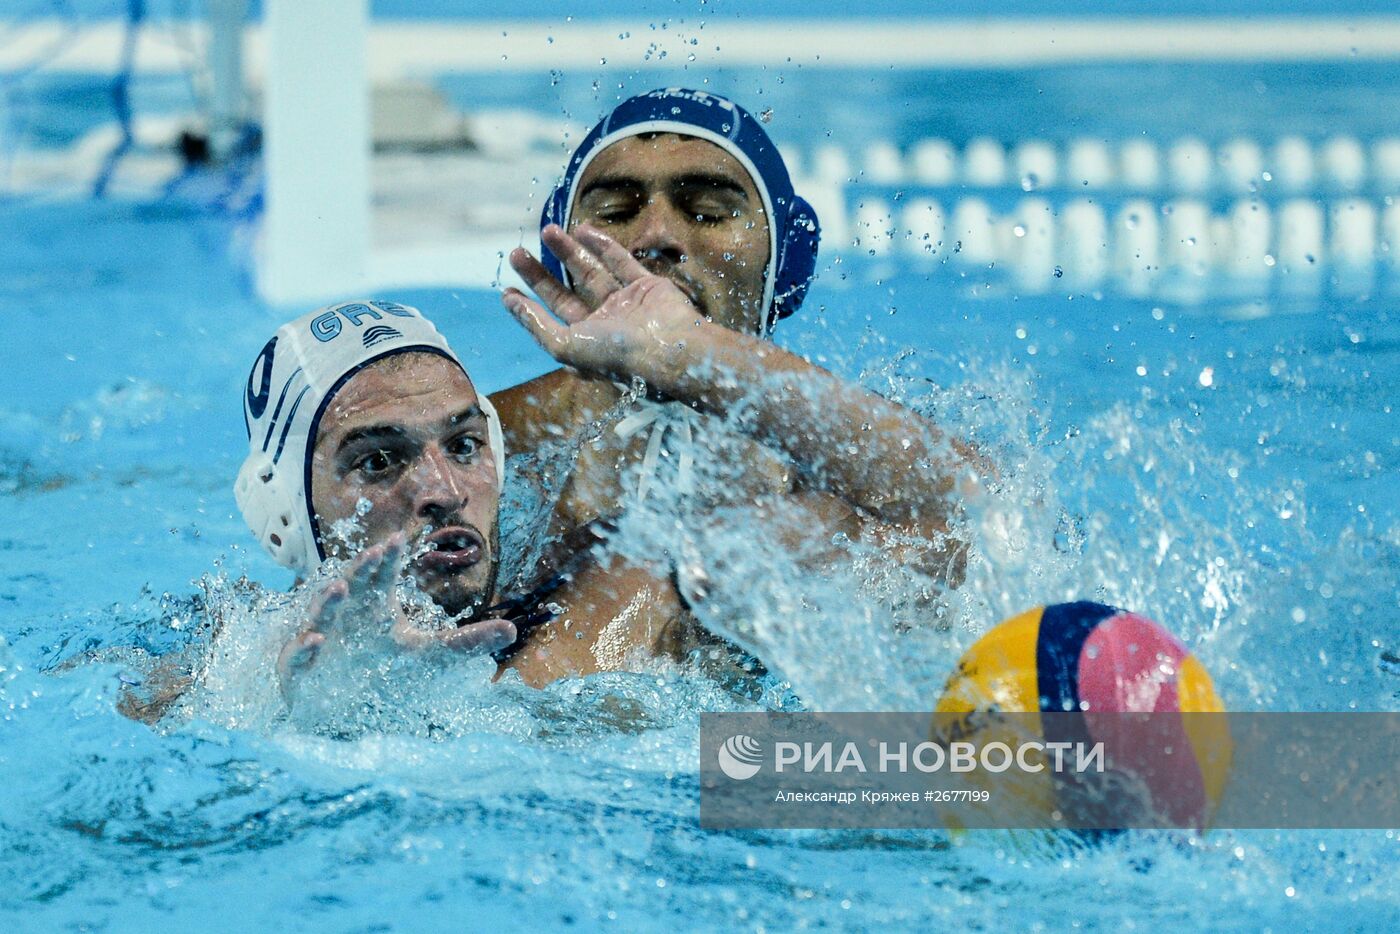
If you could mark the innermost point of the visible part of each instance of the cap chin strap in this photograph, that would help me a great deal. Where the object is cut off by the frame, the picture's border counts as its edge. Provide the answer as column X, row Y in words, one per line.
column 662, row 418
column 273, row 500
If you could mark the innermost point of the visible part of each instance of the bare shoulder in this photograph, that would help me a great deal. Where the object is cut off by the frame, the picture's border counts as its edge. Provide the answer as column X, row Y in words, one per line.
column 612, row 615
column 548, row 406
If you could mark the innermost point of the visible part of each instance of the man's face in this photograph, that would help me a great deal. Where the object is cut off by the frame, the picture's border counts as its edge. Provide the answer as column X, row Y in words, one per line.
column 406, row 436
column 689, row 211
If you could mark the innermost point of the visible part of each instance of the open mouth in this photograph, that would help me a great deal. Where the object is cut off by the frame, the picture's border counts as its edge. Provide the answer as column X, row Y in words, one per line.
column 452, row 549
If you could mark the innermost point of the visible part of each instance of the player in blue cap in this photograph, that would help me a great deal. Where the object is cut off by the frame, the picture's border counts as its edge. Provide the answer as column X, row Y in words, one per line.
column 691, row 185
column 708, row 159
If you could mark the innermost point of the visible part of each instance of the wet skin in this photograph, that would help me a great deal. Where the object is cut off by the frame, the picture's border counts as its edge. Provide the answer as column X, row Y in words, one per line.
column 407, row 437
column 688, row 211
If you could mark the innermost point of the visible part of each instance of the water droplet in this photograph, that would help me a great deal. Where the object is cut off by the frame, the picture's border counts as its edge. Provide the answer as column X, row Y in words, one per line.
column 1030, row 181
column 1059, row 273
column 1019, row 230
column 766, row 115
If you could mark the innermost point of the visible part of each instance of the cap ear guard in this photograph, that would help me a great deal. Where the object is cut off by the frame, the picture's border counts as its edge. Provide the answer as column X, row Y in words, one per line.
column 272, row 510
column 555, row 208
column 798, row 263
column 496, row 438
column 292, row 382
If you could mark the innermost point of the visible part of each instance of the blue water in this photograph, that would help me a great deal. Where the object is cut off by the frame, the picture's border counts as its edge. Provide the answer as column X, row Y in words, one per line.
column 129, row 332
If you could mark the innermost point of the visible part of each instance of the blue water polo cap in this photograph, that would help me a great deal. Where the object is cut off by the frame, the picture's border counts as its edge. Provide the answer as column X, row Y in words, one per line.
column 792, row 224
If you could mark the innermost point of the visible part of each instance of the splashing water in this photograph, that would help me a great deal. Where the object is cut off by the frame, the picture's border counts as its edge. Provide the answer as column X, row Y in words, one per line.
column 418, row 782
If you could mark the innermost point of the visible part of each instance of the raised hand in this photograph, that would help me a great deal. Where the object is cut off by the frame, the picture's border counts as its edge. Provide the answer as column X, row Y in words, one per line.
column 618, row 321
column 364, row 601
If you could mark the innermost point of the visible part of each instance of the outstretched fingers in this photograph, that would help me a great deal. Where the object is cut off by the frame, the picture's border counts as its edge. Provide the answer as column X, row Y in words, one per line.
column 620, row 262
column 543, row 326
column 565, row 303
column 592, row 278
column 479, row 638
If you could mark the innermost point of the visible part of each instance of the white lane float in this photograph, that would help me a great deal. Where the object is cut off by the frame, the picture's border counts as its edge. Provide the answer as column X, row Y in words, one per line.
column 1030, row 246
column 1089, row 164
column 1083, row 242
column 1352, row 247
column 1140, row 165
column 984, row 163
column 1035, row 164
column 923, row 220
column 883, row 163
column 1300, row 247
column 934, row 162
column 1189, row 165
column 1137, row 258
column 1342, row 161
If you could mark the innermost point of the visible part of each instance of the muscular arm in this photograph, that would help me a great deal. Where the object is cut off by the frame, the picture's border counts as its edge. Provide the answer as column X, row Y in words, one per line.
column 880, row 458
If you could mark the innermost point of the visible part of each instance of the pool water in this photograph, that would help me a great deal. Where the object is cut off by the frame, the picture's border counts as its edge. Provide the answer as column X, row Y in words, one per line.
column 1230, row 476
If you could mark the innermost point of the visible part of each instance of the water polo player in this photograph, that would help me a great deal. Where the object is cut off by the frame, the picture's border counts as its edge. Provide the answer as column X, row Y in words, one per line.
column 692, row 186
column 690, row 183
column 369, row 443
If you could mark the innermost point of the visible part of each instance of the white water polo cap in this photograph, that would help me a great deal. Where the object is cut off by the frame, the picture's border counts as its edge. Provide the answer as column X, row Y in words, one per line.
column 289, row 388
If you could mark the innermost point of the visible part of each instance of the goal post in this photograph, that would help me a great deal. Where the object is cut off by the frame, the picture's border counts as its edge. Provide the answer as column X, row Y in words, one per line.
column 315, row 239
